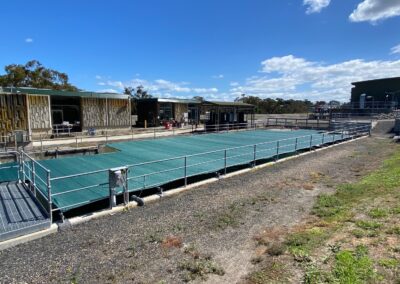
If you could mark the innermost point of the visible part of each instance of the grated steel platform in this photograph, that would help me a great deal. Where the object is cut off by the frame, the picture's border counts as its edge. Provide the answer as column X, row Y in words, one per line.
column 20, row 214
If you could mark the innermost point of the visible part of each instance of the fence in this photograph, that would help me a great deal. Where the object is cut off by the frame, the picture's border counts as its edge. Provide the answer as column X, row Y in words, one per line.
column 156, row 173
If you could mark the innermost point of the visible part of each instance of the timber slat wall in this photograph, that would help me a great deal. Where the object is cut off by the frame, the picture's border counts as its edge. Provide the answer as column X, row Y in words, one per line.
column 103, row 113
column 179, row 110
column 119, row 113
column 93, row 112
column 39, row 113
column 13, row 113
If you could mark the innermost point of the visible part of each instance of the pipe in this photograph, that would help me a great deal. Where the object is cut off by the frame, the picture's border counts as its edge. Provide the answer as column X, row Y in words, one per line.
column 137, row 199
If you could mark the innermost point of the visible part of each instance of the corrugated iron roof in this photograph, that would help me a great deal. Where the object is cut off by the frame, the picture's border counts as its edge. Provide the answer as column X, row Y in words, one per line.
column 376, row 80
column 49, row 92
column 238, row 104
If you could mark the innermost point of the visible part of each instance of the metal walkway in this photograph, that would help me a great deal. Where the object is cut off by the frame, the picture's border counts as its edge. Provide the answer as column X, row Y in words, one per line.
column 19, row 212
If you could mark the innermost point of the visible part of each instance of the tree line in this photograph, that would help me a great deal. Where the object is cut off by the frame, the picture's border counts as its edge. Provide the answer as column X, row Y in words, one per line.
column 33, row 74
column 277, row 106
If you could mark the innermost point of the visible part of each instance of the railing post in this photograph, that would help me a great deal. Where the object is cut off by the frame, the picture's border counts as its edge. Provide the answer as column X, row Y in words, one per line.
column 49, row 196
column 225, row 162
column 33, row 177
column 333, row 137
column 295, row 146
column 277, row 151
column 154, row 135
column 310, row 142
column 22, row 168
column 185, row 170
column 254, row 154
column 41, row 143
column 126, row 188
column 342, row 134
column 15, row 141
column 323, row 138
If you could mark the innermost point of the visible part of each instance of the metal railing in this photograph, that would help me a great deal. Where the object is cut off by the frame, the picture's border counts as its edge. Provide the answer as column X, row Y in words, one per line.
column 143, row 176
column 36, row 178
column 294, row 122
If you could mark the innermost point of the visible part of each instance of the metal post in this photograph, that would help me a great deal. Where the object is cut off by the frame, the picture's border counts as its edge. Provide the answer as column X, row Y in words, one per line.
column 33, row 177
column 323, row 138
column 310, row 142
column 333, row 137
column 225, row 162
column 342, row 134
column 295, row 146
column 185, row 170
column 126, row 188
column 15, row 141
column 41, row 144
column 23, row 167
column 277, row 150
column 76, row 142
column 49, row 197
column 154, row 136
column 254, row 154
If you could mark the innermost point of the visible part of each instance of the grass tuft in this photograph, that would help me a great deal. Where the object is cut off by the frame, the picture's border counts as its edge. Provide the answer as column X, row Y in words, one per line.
column 377, row 213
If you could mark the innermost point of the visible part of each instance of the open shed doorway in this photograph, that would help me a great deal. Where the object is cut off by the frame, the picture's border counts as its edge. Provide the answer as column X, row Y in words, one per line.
column 66, row 114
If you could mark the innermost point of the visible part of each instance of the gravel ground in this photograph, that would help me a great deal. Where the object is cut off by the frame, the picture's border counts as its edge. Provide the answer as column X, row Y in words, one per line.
column 208, row 228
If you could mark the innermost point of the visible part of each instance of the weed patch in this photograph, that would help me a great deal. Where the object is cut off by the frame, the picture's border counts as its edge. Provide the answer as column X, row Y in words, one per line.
column 327, row 206
column 368, row 225
column 389, row 263
column 377, row 213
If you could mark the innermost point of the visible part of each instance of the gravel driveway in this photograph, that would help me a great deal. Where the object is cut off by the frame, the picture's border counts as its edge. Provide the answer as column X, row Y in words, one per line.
column 205, row 234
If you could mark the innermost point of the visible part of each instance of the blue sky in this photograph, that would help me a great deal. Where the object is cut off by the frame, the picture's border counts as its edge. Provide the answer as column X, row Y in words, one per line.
column 213, row 48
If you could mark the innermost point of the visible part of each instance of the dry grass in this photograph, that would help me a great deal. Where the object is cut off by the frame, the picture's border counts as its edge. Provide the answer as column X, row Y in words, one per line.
column 172, row 242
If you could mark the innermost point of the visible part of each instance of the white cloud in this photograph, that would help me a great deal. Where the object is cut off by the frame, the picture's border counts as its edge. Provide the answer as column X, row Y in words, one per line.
column 219, row 76
column 29, row 40
column 108, row 91
column 293, row 77
column 374, row 10
column 205, row 90
column 395, row 49
column 315, row 6
column 161, row 87
column 233, row 84
column 98, row 77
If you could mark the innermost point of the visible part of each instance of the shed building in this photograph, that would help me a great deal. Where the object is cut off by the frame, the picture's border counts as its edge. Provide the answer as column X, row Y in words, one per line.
column 153, row 111
column 225, row 113
column 38, row 111
column 376, row 94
